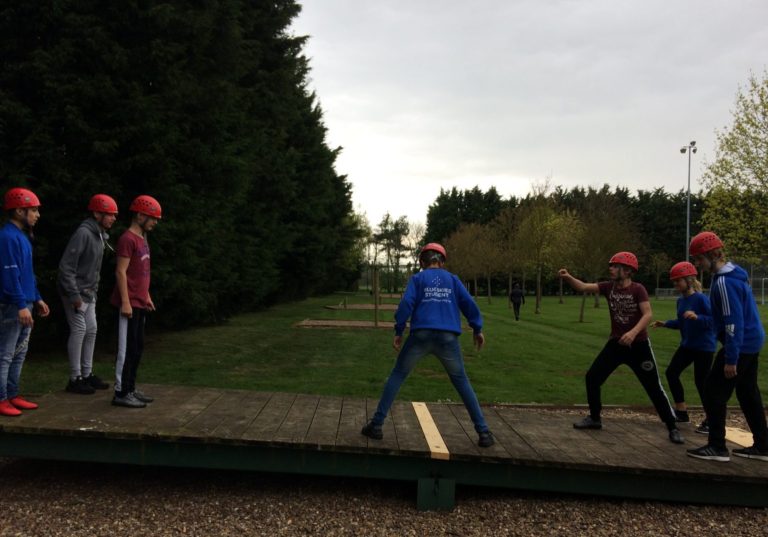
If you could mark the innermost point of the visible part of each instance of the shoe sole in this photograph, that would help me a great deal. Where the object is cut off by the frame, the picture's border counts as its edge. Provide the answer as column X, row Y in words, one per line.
column 716, row 458
column 588, row 427
column 124, row 405
column 763, row 458
column 77, row 392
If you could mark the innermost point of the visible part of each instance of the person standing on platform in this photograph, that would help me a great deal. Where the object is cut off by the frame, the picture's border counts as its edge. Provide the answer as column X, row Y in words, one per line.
column 517, row 297
column 131, row 296
column 433, row 300
column 628, row 344
column 18, row 295
column 740, row 331
column 697, row 346
column 78, row 283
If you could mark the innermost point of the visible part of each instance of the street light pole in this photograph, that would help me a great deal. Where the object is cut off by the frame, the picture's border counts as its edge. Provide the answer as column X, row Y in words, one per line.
column 690, row 148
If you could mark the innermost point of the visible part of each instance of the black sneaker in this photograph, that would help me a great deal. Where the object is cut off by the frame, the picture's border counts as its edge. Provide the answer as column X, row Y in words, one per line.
column 752, row 452
column 128, row 401
column 79, row 385
column 96, row 383
column 372, row 431
column 675, row 437
column 703, row 428
column 709, row 453
column 681, row 416
column 588, row 423
column 486, row 439
column 143, row 397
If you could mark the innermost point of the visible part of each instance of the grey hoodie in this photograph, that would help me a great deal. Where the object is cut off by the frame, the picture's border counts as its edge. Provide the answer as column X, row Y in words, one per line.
column 80, row 265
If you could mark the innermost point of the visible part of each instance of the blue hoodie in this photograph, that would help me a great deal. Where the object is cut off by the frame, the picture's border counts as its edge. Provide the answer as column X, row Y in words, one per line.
column 734, row 309
column 433, row 299
column 17, row 280
column 698, row 335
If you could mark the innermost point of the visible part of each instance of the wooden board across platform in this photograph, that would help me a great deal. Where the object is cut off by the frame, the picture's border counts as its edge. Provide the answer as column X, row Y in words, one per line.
column 207, row 427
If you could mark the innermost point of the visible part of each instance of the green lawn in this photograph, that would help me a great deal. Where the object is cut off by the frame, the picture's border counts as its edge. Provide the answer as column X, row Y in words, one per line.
column 541, row 359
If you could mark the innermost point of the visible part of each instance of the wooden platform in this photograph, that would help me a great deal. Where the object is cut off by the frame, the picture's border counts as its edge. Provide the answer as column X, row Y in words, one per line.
column 293, row 433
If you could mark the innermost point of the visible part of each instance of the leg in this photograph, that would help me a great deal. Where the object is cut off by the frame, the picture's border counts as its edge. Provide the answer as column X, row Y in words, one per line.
column 516, row 306
column 76, row 322
column 89, row 341
column 702, row 365
column 717, row 391
column 134, row 348
column 10, row 330
column 680, row 360
column 605, row 364
column 20, row 353
column 415, row 347
column 643, row 363
column 750, row 400
column 448, row 351
column 122, row 346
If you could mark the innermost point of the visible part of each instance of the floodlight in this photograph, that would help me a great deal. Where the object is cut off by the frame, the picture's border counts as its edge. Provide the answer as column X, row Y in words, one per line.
column 683, row 149
column 693, row 143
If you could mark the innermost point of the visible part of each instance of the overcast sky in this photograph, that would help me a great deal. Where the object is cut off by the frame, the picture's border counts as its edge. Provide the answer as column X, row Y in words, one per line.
column 430, row 94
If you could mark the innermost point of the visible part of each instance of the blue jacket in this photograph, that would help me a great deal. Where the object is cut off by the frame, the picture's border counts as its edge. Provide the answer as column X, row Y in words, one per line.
column 17, row 281
column 433, row 300
column 698, row 335
column 734, row 309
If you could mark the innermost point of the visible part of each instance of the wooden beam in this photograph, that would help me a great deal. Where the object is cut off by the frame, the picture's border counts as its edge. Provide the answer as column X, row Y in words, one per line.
column 437, row 447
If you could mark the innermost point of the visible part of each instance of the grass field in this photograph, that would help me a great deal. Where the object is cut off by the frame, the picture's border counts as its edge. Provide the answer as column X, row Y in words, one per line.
column 540, row 359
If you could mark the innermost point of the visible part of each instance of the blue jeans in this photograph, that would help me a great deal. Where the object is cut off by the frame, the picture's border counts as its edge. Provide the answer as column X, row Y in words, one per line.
column 14, row 340
column 444, row 345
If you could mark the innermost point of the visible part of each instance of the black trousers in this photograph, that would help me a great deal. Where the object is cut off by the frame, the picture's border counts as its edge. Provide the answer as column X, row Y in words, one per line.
column 718, row 391
column 639, row 357
column 702, row 363
column 130, row 346
column 516, row 308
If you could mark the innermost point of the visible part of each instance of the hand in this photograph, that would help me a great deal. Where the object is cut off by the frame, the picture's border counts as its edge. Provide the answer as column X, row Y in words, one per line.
column 657, row 324
column 729, row 370
column 690, row 315
column 42, row 308
column 479, row 340
column 563, row 273
column 126, row 310
column 25, row 318
column 150, row 305
column 76, row 304
column 397, row 342
column 627, row 339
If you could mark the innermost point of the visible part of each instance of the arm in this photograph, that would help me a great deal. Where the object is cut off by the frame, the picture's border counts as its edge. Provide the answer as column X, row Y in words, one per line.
column 405, row 308
column 733, row 319
column 629, row 337
column 68, row 268
column 578, row 285
column 122, row 286
column 468, row 307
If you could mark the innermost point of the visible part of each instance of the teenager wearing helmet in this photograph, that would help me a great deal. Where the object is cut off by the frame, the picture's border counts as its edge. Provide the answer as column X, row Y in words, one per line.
column 433, row 300
column 131, row 296
column 628, row 344
column 697, row 345
column 18, row 295
column 77, row 283
column 740, row 331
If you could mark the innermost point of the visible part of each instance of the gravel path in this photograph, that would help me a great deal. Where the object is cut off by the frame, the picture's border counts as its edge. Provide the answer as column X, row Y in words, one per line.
column 69, row 499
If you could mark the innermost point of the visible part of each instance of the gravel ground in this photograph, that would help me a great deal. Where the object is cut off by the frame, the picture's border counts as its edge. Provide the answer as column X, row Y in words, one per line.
column 69, row 499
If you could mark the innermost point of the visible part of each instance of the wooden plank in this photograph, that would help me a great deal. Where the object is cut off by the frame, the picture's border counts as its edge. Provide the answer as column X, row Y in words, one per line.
column 532, row 434
column 496, row 451
column 739, row 437
column 296, row 424
column 410, row 437
column 222, row 410
column 516, row 447
column 266, row 424
column 353, row 418
column 437, row 447
column 457, row 441
column 325, row 423
column 242, row 415
column 388, row 444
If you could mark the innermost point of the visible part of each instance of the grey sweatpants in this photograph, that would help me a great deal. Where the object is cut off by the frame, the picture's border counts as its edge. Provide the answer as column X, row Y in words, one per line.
column 82, row 338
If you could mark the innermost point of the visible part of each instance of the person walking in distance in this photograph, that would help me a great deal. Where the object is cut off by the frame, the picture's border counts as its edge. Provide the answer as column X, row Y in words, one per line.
column 18, row 295
column 433, row 300
column 697, row 345
column 628, row 344
column 517, row 297
column 740, row 332
column 78, row 283
column 131, row 296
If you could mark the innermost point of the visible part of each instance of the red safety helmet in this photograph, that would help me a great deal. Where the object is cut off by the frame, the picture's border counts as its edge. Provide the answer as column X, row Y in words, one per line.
column 146, row 205
column 682, row 270
column 625, row 258
column 17, row 198
column 704, row 242
column 101, row 203
column 434, row 247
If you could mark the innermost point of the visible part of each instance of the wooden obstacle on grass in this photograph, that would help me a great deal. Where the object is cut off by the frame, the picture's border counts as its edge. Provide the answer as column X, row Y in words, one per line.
column 319, row 435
